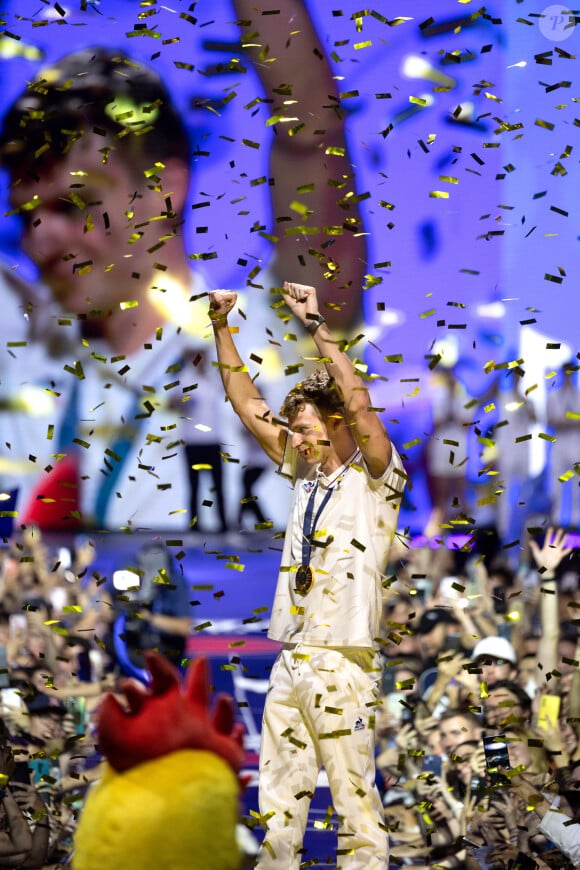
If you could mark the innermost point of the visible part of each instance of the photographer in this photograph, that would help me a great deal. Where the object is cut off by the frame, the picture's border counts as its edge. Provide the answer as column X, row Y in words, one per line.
column 152, row 610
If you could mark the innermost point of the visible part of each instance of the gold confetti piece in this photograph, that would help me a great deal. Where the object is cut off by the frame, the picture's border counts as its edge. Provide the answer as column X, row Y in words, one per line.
column 333, row 735
column 439, row 194
column 567, row 475
column 41, row 150
column 405, row 684
column 300, row 208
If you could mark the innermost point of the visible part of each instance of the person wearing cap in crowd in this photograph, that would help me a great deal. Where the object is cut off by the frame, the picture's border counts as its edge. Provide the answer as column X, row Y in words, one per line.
column 47, row 727
column 496, row 659
column 448, row 624
column 436, row 628
column 99, row 164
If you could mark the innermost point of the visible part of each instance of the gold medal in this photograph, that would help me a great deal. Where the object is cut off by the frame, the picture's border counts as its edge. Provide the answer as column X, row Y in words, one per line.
column 304, row 579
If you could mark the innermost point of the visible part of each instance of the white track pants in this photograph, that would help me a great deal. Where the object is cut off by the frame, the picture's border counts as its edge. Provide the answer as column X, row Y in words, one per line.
column 319, row 712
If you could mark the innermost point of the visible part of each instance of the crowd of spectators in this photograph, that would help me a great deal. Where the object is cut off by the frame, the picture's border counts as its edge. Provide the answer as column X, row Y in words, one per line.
column 471, row 649
column 475, row 651
column 67, row 634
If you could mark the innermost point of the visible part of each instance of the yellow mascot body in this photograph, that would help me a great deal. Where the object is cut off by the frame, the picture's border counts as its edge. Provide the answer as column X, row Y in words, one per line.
column 162, row 803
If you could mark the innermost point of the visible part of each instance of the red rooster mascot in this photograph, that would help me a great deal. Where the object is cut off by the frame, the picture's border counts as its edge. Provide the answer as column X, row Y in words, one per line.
column 169, row 797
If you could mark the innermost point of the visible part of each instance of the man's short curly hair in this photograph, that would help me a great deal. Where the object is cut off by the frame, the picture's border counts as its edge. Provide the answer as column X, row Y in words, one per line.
column 318, row 389
column 95, row 89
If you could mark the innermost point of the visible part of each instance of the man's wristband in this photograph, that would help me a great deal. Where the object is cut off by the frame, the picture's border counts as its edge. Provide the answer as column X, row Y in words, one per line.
column 219, row 320
column 313, row 322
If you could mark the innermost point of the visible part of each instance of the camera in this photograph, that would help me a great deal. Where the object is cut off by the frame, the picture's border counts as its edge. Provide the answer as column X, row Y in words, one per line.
column 477, row 787
column 432, row 764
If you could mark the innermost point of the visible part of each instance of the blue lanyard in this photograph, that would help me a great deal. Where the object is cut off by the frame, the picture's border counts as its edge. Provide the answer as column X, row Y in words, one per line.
column 70, row 419
column 118, row 452
column 309, row 525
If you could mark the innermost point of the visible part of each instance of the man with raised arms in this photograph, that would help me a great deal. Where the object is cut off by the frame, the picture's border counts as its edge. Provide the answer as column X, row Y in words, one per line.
column 348, row 481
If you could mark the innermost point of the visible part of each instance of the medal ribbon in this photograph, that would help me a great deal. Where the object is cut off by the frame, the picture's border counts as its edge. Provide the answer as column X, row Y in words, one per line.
column 309, row 525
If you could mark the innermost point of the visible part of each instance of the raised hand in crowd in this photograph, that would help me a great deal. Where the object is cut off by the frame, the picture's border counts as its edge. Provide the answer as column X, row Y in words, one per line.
column 553, row 550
